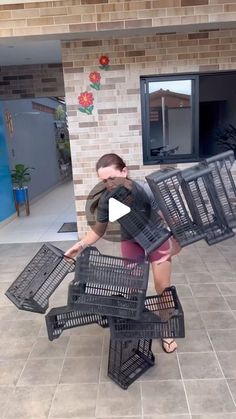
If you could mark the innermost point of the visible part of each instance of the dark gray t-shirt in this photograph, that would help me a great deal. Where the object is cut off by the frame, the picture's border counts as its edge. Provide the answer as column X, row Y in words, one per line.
column 142, row 201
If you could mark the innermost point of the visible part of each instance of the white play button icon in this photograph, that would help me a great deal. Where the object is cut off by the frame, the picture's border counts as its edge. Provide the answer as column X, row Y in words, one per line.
column 116, row 209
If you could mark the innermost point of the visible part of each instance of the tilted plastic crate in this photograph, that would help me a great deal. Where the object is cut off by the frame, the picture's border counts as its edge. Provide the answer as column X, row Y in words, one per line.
column 33, row 287
column 150, row 234
column 204, row 204
column 128, row 360
column 165, row 186
column 108, row 285
column 62, row 318
column 162, row 317
column 221, row 166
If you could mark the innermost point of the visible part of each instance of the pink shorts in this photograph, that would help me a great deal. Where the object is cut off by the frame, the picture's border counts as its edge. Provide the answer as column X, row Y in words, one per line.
column 132, row 250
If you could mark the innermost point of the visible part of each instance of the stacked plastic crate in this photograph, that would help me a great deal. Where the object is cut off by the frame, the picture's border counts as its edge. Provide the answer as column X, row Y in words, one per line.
column 114, row 288
column 196, row 203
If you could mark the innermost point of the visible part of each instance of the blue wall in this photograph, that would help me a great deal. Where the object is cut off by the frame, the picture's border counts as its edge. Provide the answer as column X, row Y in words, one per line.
column 7, row 207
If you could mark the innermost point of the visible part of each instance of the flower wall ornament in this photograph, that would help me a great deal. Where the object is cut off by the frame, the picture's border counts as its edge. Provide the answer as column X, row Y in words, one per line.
column 86, row 102
column 95, row 78
column 104, row 62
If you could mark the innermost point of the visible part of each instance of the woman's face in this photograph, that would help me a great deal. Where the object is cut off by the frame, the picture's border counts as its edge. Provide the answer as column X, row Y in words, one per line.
column 112, row 177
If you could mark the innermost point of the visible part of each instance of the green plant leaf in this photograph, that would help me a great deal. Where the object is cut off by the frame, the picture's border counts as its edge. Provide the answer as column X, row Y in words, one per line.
column 95, row 86
column 82, row 110
column 89, row 110
column 21, row 175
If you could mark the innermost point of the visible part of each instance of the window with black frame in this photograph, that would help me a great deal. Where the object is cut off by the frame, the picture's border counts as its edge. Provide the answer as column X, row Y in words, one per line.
column 169, row 119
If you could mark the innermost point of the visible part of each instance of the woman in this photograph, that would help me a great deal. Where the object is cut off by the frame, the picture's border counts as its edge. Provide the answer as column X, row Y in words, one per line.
column 112, row 171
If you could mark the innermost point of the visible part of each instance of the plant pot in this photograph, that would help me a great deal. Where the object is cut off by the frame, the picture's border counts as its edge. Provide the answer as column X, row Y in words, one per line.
column 59, row 124
column 21, row 194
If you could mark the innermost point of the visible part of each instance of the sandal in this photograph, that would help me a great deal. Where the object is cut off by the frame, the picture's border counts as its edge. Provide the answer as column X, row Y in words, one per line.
column 164, row 342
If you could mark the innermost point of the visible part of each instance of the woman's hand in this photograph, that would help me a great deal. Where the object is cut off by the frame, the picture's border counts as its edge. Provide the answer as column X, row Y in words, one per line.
column 74, row 251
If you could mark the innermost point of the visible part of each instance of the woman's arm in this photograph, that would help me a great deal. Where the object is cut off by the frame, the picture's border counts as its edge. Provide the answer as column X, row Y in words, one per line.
column 88, row 240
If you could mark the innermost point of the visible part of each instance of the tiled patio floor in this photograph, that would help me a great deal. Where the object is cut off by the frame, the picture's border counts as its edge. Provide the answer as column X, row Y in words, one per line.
column 67, row 378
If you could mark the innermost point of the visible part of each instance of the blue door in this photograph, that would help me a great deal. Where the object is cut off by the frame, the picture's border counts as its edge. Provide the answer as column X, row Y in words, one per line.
column 7, row 207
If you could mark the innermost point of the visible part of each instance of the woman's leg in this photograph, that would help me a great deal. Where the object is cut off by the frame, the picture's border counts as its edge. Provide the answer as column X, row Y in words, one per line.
column 161, row 268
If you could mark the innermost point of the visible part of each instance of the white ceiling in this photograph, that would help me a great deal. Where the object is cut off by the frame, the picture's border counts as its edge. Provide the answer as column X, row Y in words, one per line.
column 25, row 52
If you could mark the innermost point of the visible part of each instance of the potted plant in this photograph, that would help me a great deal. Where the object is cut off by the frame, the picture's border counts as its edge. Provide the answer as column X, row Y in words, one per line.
column 20, row 177
column 60, row 116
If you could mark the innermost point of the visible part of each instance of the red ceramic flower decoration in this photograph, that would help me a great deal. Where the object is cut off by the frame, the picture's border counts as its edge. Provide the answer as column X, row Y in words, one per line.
column 86, row 101
column 104, row 61
column 95, row 78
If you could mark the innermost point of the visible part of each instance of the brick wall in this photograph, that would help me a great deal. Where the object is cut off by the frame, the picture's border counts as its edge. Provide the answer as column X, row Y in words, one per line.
column 27, row 81
column 91, row 16
column 115, row 125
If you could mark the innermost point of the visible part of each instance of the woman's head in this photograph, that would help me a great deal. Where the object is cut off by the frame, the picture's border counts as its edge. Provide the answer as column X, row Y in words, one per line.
column 111, row 169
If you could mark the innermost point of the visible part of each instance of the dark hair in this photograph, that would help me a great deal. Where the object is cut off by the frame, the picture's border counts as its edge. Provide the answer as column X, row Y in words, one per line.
column 110, row 159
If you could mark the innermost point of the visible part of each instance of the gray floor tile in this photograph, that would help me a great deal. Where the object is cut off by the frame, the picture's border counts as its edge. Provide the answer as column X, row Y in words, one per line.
column 189, row 305
column 179, row 278
column 232, row 386
column 195, row 341
column 6, row 393
column 10, row 371
column 120, row 417
column 209, row 396
column 4, row 301
column 228, row 363
column 228, row 288
column 171, row 416
column 16, row 348
column 114, row 401
column 231, row 300
column 215, row 266
column 200, row 278
column 9, row 313
column 41, row 371
column 85, row 346
column 177, row 267
column 218, row 320
column 203, row 290
column 165, row 368
column 215, row 416
column 81, row 370
column 199, row 365
column 225, row 276
column 43, row 348
column 188, row 268
column 20, row 328
column 211, row 303
column 184, row 291
column 30, row 402
column 193, row 321
column 163, row 397
column 74, row 401
column 103, row 370
column 223, row 340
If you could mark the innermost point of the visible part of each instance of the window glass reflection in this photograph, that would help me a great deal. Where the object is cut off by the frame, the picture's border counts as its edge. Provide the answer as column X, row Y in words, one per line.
column 170, row 117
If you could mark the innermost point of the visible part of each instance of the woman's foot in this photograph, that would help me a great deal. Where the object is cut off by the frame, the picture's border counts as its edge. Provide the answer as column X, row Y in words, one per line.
column 168, row 345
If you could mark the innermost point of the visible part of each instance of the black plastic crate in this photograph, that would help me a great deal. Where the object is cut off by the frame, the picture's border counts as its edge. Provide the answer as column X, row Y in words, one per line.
column 108, row 285
column 221, row 166
column 150, row 234
column 33, row 287
column 62, row 318
column 163, row 317
column 128, row 360
column 204, row 204
column 166, row 188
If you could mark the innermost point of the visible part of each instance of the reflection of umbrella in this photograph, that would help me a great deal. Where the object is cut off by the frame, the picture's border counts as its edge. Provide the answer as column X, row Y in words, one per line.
column 164, row 151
